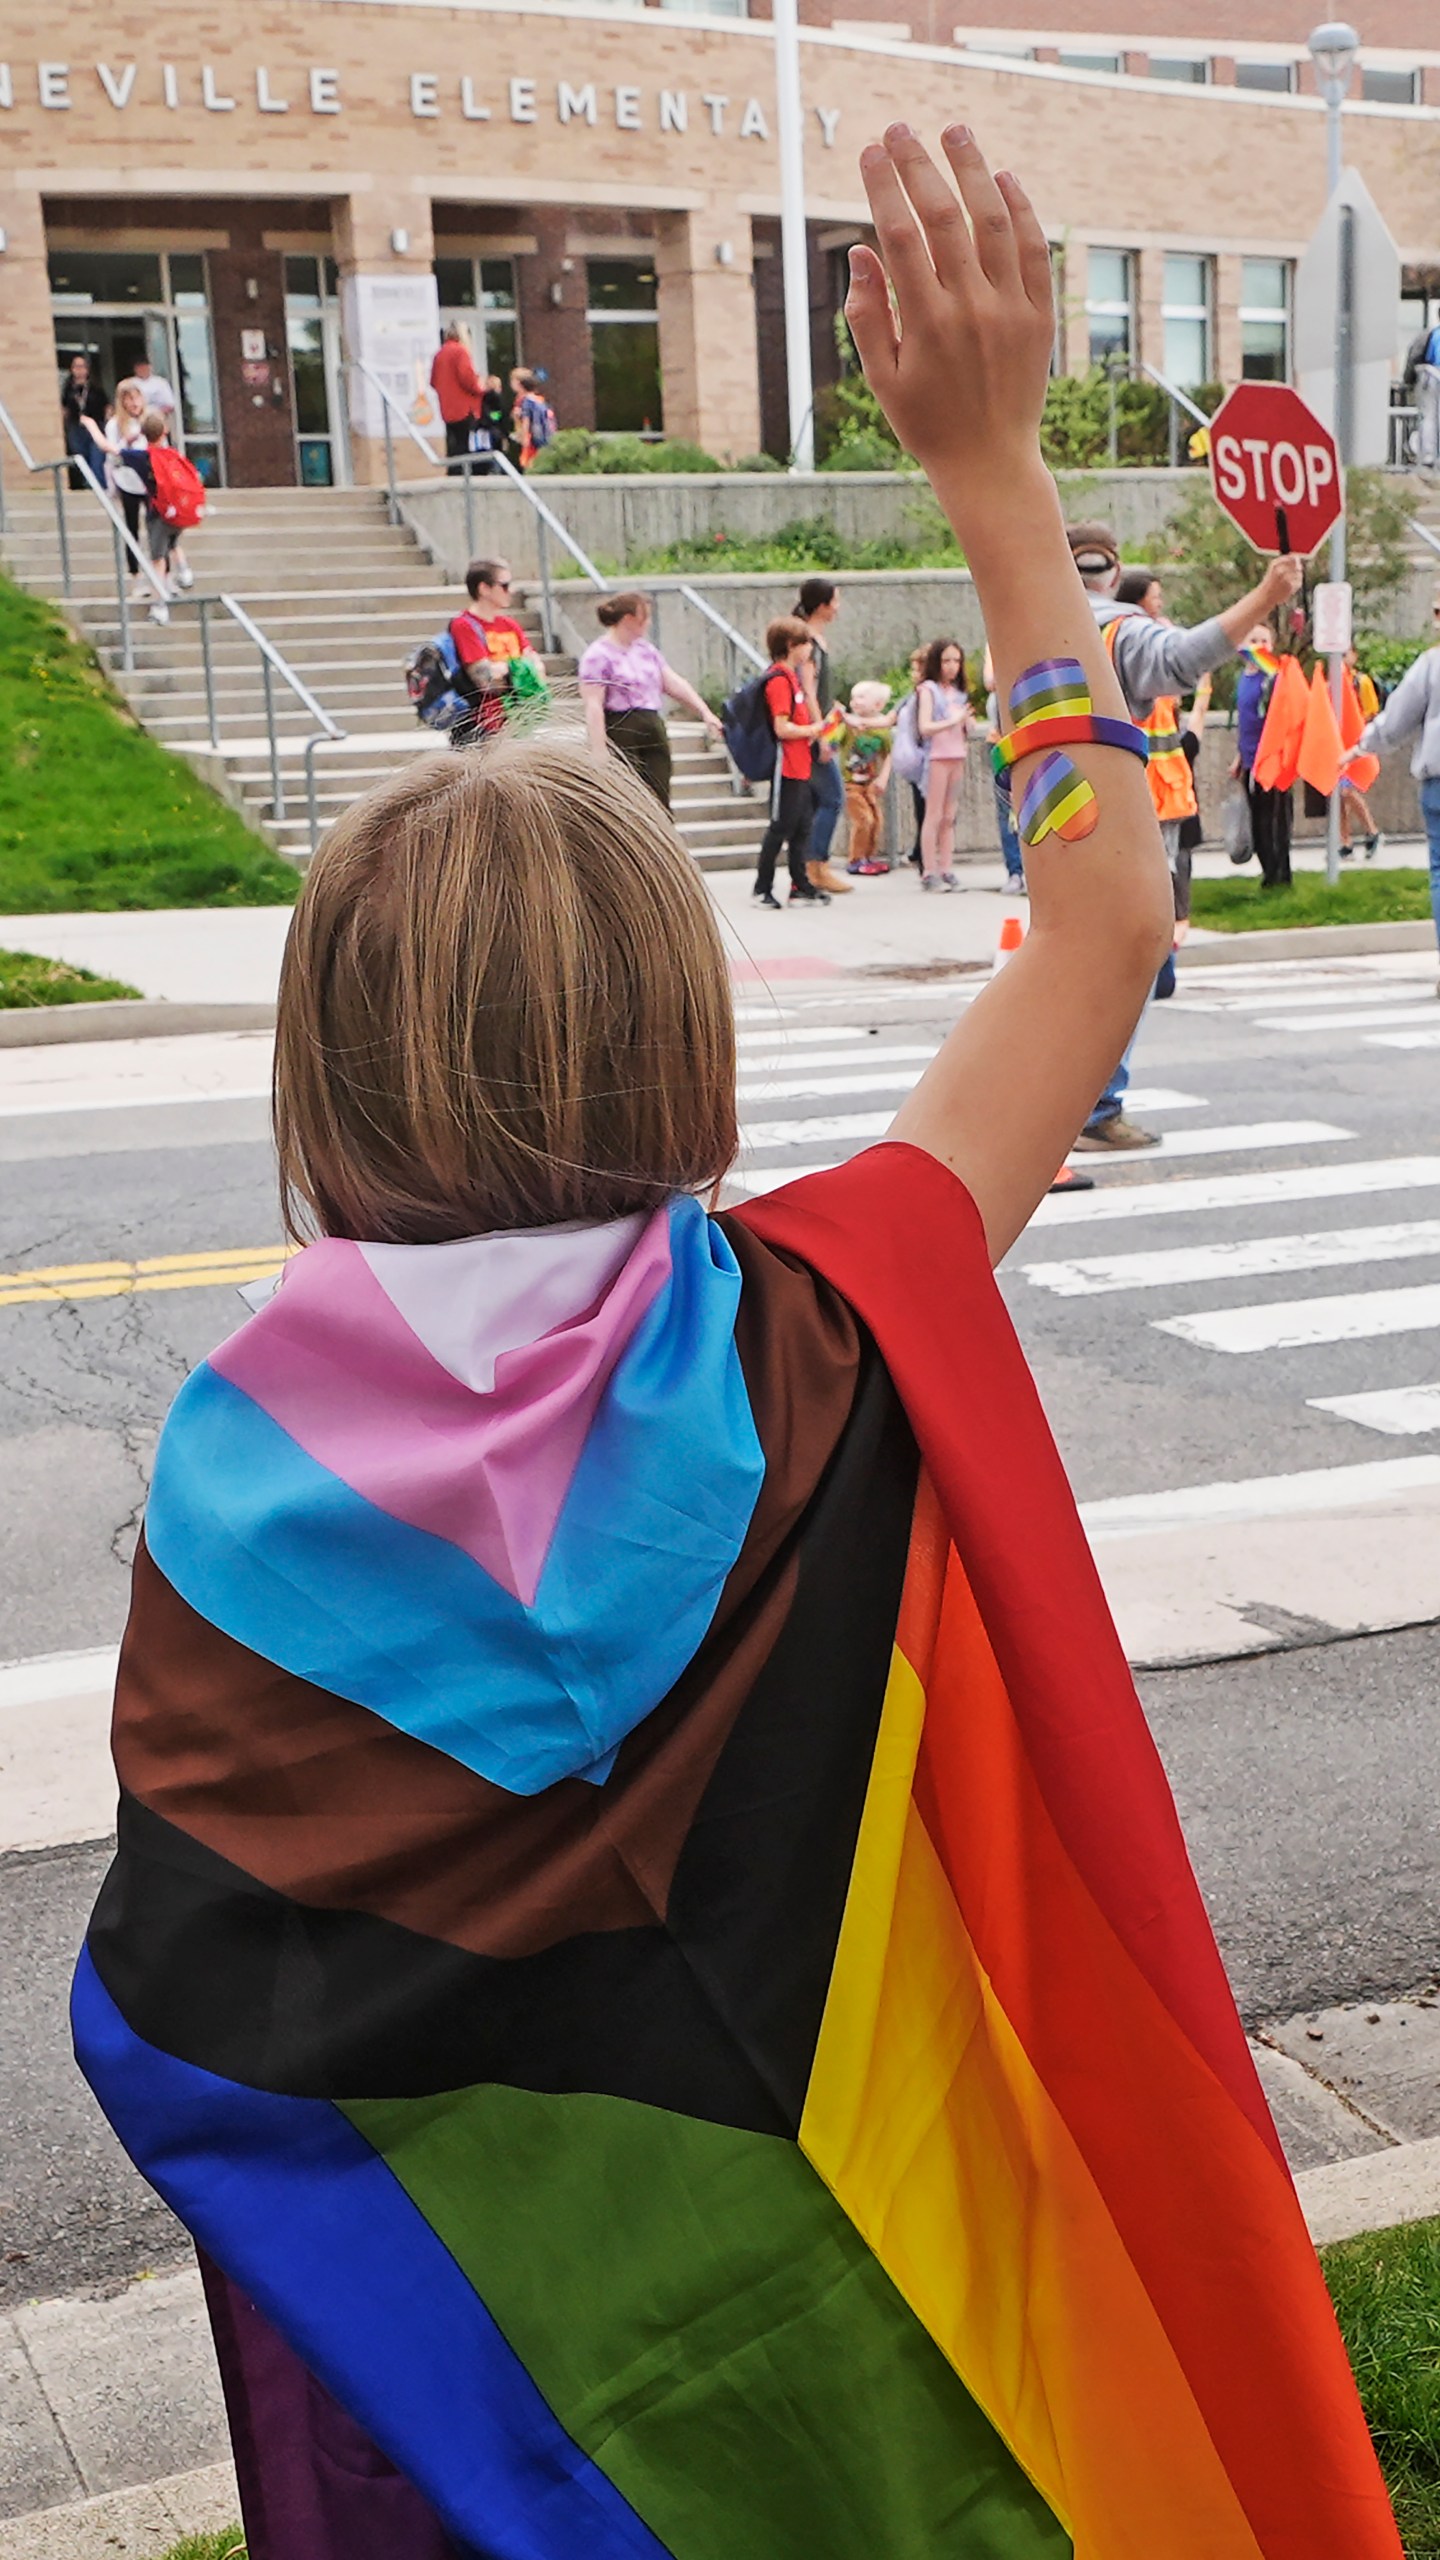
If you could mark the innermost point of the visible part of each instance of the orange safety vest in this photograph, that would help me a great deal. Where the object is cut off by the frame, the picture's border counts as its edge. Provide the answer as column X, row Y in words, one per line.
column 1167, row 767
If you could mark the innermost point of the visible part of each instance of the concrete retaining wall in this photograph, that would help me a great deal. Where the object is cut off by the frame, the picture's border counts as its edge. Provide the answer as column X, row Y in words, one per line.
column 613, row 519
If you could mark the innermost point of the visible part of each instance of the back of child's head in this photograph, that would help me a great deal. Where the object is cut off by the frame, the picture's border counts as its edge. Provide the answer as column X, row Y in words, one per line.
column 153, row 427
column 868, row 697
column 504, row 1004
column 782, row 635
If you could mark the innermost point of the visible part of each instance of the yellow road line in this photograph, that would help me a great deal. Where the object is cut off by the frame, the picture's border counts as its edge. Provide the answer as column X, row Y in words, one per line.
column 131, row 1279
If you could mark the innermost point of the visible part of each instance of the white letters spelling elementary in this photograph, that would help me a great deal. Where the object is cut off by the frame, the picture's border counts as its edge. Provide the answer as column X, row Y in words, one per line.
column 430, row 94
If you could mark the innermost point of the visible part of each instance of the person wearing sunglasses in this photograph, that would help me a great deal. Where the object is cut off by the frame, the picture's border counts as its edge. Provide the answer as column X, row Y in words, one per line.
column 489, row 642
column 1413, row 712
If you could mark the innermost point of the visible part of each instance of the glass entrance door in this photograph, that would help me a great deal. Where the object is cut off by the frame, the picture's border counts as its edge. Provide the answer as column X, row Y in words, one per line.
column 114, row 305
column 312, row 331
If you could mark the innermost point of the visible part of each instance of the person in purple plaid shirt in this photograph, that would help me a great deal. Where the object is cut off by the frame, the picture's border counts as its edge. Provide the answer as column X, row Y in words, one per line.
column 623, row 685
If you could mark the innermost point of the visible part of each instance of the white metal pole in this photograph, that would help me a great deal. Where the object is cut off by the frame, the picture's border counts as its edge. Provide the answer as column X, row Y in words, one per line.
column 1342, row 419
column 794, row 247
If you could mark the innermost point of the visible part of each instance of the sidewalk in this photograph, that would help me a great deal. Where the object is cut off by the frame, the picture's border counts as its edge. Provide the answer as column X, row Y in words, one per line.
column 231, row 955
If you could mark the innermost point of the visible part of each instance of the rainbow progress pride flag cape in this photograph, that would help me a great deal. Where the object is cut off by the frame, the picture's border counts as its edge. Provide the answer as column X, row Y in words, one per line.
column 649, row 1935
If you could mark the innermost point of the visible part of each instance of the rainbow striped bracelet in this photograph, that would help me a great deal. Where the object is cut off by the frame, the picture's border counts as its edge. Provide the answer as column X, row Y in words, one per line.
column 1052, row 709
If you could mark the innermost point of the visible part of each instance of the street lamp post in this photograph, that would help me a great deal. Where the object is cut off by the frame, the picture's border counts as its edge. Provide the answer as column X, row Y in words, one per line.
column 794, row 245
column 1333, row 48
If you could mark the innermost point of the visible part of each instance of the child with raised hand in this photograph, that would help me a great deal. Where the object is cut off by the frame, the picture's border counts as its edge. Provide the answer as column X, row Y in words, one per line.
column 649, row 1943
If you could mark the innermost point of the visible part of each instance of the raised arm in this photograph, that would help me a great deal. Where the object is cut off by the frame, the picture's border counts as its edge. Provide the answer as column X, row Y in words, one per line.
column 960, row 365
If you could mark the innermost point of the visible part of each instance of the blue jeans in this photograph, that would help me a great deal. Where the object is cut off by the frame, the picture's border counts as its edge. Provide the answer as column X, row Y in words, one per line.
column 1112, row 1100
column 828, row 784
column 1430, row 812
column 1009, row 840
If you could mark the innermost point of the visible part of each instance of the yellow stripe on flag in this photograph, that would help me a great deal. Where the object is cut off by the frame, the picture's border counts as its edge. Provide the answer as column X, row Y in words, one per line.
column 928, row 2124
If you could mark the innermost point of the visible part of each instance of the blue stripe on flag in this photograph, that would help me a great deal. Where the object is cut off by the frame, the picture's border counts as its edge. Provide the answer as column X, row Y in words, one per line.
column 299, row 2210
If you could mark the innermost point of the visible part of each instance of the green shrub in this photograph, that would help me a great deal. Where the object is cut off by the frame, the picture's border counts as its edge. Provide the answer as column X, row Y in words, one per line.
column 758, row 462
column 576, row 449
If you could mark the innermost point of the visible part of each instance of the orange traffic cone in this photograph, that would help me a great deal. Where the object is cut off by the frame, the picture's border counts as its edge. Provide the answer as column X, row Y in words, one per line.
column 1012, row 934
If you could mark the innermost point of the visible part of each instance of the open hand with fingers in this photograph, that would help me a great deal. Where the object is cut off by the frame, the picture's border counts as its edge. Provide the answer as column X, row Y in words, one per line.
column 960, row 361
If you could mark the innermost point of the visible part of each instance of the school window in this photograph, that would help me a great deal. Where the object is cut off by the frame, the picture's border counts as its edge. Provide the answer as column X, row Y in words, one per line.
column 1091, row 62
column 479, row 294
column 1265, row 75
column 1110, row 305
column 622, row 299
column 1265, row 319
column 1185, row 314
column 1390, row 88
column 1193, row 69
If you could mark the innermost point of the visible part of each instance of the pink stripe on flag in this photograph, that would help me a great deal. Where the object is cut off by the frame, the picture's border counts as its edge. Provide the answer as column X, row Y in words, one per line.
column 333, row 1362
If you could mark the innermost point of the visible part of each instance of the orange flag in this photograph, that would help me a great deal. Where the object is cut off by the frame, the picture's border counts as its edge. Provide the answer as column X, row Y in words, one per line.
column 1321, row 749
column 1277, row 757
column 1361, row 770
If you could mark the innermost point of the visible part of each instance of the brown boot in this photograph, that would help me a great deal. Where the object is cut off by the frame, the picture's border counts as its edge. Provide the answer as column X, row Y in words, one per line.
column 824, row 875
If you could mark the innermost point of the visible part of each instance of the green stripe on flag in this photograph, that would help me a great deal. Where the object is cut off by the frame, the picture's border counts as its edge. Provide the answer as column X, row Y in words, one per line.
column 711, row 2329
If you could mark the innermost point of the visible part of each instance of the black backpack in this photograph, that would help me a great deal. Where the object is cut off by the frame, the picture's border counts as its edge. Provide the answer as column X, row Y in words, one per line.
column 749, row 729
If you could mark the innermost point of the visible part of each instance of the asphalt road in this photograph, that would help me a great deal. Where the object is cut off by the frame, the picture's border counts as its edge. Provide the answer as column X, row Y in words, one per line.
column 1307, row 1778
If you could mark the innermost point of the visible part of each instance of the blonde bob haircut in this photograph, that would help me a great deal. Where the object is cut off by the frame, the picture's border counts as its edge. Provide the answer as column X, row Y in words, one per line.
column 504, row 1003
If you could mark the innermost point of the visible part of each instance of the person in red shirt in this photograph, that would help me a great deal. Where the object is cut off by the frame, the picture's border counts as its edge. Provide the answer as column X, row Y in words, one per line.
column 458, row 389
column 792, row 801
column 488, row 640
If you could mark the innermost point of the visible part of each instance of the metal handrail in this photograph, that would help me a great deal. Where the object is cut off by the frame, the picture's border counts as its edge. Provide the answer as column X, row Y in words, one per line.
column 1425, row 533
column 273, row 664
column 735, row 640
column 1178, row 399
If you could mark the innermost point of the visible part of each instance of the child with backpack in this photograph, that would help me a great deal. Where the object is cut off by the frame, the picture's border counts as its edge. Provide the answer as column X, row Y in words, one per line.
column 177, row 502
column 792, row 802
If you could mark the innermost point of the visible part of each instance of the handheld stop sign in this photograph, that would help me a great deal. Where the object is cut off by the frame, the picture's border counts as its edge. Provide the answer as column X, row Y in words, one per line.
column 1274, row 469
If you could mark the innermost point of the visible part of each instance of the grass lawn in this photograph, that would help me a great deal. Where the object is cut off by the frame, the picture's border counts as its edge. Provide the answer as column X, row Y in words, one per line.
column 27, row 979
column 1358, row 897
column 1386, row 2290
column 93, row 814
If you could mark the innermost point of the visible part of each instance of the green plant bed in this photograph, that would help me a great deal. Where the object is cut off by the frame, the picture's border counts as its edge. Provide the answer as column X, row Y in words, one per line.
column 93, row 814
column 1386, row 2291
column 805, row 543
column 27, row 979
column 227, row 2545
column 1358, row 897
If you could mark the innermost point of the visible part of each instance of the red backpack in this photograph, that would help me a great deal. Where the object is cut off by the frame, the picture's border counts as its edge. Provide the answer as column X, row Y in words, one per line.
column 179, row 489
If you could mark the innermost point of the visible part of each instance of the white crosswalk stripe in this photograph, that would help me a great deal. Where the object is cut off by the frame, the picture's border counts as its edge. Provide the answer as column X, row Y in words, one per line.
column 1208, row 1192
column 1291, row 1324
column 1405, row 1039
column 1403, row 1411
column 1245, row 1138
column 1363, row 1018
column 1171, row 1268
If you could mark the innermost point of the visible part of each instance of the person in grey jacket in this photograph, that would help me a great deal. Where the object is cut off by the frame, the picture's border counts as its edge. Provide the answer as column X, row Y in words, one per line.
column 1152, row 660
column 1413, row 711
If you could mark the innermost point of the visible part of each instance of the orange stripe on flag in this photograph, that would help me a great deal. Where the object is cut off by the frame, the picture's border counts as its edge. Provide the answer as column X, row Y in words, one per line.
column 930, row 2125
column 1206, row 2213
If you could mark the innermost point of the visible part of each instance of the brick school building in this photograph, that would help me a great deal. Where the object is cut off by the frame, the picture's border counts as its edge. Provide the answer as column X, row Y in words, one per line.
column 284, row 205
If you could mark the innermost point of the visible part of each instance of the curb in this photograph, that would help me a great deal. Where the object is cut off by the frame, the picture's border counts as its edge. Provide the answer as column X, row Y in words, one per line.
column 39, row 1026
column 127, row 2524
column 1307, row 941
column 1374, row 2193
